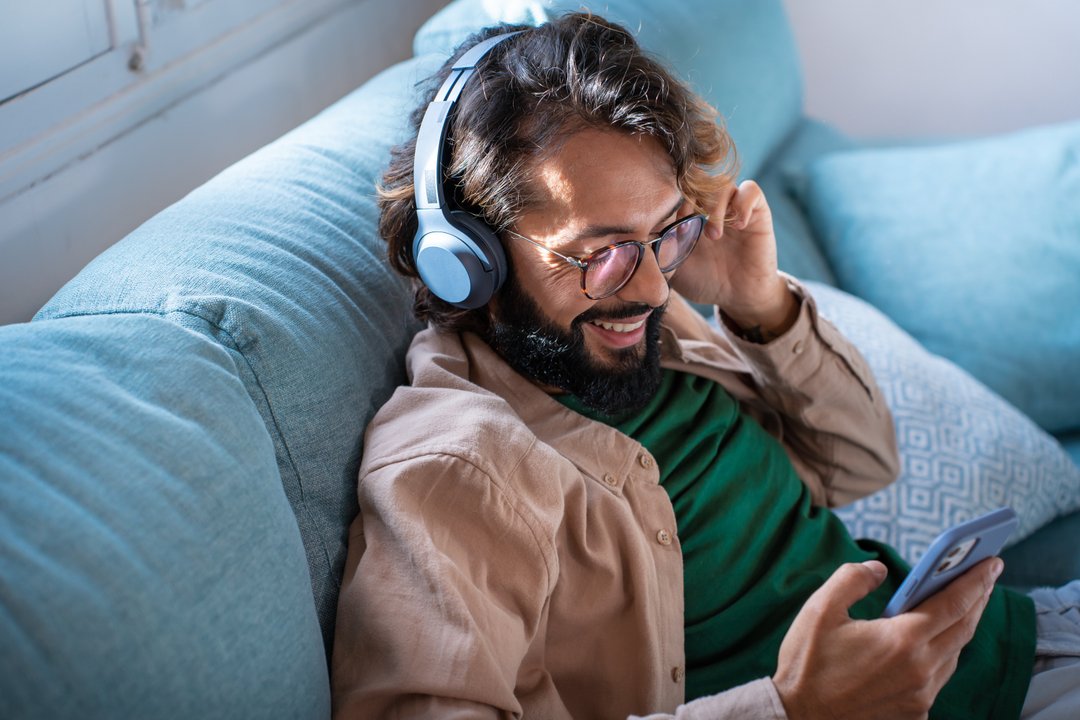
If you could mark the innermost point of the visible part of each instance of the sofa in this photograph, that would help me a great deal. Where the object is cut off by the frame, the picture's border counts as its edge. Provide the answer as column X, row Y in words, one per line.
column 181, row 425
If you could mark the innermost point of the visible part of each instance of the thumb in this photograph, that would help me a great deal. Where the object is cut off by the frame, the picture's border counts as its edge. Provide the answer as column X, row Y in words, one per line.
column 848, row 585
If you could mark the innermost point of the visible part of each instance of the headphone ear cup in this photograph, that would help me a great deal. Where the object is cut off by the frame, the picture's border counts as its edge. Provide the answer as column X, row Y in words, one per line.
column 487, row 242
column 463, row 263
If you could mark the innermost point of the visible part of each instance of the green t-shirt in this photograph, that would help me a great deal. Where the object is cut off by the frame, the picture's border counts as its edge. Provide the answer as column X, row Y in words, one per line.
column 755, row 548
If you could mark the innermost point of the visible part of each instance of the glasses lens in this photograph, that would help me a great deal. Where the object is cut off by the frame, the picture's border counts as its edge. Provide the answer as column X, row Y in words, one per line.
column 610, row 268
column 678, row 242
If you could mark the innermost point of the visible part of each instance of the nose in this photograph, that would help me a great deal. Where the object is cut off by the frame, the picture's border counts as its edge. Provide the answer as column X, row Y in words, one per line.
column 647, row 285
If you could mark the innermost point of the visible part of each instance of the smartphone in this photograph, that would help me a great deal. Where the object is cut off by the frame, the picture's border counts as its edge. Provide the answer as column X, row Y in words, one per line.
column 951, row 554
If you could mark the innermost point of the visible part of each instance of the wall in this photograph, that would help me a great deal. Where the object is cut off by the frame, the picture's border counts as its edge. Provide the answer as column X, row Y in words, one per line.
column 56, row 215
column 939, row 67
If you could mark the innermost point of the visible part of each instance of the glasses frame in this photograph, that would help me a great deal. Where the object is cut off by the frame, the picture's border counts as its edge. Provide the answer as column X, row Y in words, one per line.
column 582, row 263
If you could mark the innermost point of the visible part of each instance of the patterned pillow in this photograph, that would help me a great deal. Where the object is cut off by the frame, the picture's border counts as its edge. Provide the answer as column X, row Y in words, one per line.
column 964, row 450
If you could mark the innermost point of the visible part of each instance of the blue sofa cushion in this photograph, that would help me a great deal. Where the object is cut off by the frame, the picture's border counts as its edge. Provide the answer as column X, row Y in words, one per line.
column 149, row 552
column 281, row 253
column 739, row 55
column 1046, row 559
column 1071, row 443
column 973, row 248
column 964, row 450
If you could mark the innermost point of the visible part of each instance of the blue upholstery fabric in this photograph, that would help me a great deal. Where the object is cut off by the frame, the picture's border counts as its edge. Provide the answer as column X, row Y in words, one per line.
column 739, row 55
column 151, row 565
column 798, row 251
column 280, row 254
column 963, row 450
column 1049, row 556
column 1071, row 443
column 1046, row 559
column 973, row 248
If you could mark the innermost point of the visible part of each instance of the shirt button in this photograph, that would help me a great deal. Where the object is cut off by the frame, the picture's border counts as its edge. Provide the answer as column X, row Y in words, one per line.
column 677, row 673
column 645, row 460
column 663, row 537
column 610, row 479
column 797, row 348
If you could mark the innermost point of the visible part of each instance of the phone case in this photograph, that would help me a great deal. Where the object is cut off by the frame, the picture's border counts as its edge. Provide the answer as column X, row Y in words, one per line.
column 951, row 554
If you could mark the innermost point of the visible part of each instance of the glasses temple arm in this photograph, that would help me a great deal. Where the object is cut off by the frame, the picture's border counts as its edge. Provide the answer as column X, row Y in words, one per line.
column 572, row 260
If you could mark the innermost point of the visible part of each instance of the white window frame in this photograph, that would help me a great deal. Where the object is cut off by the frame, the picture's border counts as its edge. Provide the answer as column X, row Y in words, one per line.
column 151, row 67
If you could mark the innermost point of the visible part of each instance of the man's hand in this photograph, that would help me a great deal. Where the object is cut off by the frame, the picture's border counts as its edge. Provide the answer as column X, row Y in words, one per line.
column 831, row 666
column 734, row 264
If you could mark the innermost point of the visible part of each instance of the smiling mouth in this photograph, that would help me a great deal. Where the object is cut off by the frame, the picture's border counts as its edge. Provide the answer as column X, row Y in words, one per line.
column 618, row 327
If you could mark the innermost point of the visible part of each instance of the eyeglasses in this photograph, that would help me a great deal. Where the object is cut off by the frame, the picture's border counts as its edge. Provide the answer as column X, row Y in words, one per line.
column 604, row 272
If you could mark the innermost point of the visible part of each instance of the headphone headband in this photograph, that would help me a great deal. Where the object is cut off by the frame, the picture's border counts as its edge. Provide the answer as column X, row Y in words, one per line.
column 458, row 257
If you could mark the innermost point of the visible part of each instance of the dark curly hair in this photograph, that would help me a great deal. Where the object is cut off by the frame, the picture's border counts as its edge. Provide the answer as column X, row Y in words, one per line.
column 528, row 93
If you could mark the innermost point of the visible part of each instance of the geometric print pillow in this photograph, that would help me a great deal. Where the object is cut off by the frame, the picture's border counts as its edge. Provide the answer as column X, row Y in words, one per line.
column 963, row 449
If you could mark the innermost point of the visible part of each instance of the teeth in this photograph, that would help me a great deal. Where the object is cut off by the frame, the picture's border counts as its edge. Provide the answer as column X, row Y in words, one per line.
column 619, row 327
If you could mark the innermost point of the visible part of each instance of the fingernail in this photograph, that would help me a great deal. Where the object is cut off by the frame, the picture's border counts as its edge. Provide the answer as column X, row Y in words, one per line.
column 996, row 567
column 879, row 570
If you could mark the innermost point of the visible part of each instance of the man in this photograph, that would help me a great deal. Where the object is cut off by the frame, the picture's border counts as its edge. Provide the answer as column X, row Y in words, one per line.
column 590, row 503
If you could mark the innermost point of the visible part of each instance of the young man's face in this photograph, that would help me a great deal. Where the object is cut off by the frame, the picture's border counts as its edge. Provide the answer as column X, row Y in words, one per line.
column 599, row 188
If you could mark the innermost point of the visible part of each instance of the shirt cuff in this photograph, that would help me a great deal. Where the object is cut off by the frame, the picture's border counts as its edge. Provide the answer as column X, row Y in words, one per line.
column 756, row 700
column 799, row 348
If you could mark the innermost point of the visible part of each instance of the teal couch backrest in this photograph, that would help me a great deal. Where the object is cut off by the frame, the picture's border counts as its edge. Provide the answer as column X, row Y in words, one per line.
column 167, row 409
column 280, row 258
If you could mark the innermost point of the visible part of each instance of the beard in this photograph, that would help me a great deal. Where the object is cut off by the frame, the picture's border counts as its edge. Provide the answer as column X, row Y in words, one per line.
column 534, row 346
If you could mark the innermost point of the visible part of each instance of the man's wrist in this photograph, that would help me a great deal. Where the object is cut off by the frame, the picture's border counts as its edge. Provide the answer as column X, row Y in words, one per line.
column 763, row 327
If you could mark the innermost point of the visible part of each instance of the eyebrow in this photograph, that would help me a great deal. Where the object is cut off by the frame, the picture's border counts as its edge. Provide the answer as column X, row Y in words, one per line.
column 596, row 231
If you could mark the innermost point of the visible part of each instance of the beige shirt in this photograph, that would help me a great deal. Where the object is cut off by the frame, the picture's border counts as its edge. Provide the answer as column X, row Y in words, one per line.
column 513, row 558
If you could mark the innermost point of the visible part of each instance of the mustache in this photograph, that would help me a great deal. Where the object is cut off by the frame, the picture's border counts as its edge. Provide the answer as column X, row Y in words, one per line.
column 626, row 310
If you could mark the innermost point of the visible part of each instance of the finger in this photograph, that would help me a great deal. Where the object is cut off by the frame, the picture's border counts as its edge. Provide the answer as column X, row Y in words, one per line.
column 720, row 211
column 964, row 595
column 748, row 198
column 753, row 214
column 954, row 638
column 848, row 585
